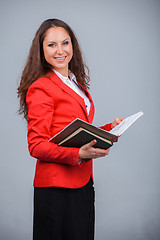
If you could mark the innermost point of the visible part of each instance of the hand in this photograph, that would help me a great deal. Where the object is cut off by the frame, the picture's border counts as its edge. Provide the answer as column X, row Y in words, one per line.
column 116, row 122
column 87, row 151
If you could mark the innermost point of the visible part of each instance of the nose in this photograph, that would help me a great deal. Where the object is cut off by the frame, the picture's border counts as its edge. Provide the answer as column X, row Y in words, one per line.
column 59, row 49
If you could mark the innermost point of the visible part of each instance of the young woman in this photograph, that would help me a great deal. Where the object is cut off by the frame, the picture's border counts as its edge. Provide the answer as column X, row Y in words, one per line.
column 53, row 92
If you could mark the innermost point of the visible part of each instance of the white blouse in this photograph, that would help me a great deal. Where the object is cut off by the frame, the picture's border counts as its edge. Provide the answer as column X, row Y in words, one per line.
column 73, row 84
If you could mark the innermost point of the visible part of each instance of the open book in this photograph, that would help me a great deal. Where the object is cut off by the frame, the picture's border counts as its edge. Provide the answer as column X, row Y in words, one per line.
column 79, row 132
column 126, row 123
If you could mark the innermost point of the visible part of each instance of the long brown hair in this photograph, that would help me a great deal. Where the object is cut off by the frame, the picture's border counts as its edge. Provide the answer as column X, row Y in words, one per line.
column 36, row 65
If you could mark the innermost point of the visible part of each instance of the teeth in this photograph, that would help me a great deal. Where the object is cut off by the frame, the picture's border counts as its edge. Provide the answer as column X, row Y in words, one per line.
column 60, row 58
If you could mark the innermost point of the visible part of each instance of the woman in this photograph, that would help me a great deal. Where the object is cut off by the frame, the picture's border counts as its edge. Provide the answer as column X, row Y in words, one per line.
column 53, row 92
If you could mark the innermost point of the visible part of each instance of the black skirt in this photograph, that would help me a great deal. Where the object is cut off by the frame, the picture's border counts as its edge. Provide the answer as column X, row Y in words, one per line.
column 64, row 214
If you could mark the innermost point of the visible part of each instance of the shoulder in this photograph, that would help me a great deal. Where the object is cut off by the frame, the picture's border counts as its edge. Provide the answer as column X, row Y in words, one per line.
column 44, row 83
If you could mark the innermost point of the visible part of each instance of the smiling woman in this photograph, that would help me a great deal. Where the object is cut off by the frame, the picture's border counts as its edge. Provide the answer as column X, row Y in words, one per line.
column 53, row 92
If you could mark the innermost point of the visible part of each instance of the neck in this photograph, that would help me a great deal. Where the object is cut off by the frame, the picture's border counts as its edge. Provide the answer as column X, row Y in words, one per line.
column 63, row 72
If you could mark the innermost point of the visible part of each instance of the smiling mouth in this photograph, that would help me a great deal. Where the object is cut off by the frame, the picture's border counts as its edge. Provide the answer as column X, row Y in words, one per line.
column 60, row 58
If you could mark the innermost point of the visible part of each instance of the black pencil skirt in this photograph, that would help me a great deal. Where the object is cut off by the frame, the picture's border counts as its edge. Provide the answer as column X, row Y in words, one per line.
column 64, row 214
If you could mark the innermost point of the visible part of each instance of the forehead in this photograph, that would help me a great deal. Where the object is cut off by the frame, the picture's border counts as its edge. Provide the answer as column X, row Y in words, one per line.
column 56, row 34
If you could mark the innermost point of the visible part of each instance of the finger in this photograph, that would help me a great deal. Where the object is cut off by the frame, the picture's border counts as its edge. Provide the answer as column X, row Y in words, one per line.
column 121, row 119
column 90, row 144
column 107, row 151
column 99, row 152
column 94, row 155
column 118, row 120
column 98, row 155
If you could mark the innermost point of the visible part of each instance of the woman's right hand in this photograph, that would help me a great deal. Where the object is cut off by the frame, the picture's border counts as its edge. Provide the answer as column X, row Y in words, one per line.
column 87, row 151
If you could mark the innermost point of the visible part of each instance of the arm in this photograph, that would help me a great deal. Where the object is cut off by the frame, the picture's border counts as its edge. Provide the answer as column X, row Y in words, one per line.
column 109, row 126
column 40, row 113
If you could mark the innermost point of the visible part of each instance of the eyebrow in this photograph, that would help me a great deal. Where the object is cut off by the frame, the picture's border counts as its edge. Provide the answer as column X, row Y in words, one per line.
column 55, row 42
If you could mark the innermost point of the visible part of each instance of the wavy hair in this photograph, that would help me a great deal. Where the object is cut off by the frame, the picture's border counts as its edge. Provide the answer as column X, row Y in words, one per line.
column 36, row 65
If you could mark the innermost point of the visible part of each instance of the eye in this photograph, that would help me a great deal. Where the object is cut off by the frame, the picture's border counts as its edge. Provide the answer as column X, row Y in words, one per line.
column 51, row 45
column 66, row 43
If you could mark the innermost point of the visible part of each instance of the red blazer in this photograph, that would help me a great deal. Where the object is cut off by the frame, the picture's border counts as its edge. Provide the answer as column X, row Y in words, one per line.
column 52, row 105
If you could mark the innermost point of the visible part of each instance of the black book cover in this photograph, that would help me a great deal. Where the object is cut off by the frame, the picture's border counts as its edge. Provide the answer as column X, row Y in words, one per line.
column 79, row 132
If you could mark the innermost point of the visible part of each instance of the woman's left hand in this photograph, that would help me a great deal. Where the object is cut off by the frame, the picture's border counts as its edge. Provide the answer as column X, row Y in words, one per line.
column 116, row 122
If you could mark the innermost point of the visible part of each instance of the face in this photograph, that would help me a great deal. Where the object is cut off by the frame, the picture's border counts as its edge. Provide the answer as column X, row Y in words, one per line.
column 57, row 48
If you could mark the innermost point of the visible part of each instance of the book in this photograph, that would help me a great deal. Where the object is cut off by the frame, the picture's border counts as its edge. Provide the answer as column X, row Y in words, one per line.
column 125, row 124
column 79, row 133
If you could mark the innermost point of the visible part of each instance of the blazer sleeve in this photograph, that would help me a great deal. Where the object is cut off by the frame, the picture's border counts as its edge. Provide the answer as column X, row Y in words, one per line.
column 40, row 113
column 106, row 127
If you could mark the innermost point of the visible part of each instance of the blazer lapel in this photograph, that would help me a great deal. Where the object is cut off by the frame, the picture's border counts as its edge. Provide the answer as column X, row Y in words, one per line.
column 76, row 96
column 91, row 112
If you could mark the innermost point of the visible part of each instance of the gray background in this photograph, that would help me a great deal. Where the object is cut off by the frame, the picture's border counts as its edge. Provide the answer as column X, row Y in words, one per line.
column 121, row 45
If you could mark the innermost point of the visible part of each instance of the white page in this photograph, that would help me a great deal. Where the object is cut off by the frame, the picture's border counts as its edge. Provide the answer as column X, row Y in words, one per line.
column 126, row 123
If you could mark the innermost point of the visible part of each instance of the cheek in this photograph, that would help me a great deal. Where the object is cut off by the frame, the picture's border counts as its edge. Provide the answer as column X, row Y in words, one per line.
column 47, row 55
